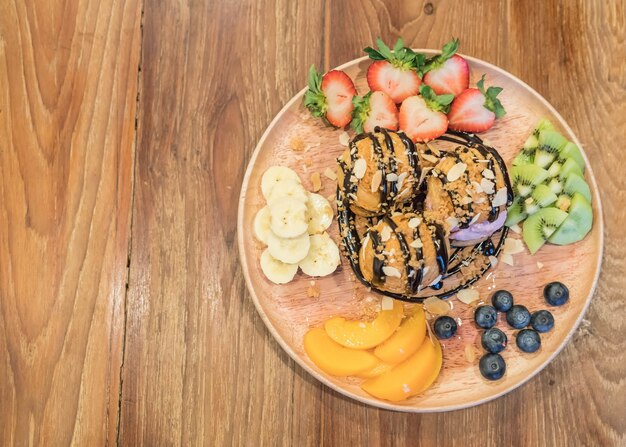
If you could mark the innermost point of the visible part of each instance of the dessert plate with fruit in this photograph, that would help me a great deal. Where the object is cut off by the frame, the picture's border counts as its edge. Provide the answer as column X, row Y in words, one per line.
column 420, row 230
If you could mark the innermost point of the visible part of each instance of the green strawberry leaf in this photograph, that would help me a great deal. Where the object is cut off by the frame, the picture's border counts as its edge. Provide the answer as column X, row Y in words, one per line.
column 401, row 57
column 437, row 103
column 361, row 111
column 314, row 98
column 448, row 50
column 491, row 101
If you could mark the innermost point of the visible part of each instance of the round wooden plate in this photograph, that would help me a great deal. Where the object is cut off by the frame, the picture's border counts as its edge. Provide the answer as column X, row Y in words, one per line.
column 288, row 311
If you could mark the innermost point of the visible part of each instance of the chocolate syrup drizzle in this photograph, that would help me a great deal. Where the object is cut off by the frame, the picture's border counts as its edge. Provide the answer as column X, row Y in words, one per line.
column 449, row 265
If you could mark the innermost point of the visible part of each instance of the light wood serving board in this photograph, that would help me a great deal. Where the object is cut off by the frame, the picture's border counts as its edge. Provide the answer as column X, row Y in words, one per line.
column 288, row 311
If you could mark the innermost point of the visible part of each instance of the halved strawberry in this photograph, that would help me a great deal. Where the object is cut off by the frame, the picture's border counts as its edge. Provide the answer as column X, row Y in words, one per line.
column 394, row 73
column 423, row 118
column 374, row 109
column 475, row 110
column 447, row 73
column 330, row 96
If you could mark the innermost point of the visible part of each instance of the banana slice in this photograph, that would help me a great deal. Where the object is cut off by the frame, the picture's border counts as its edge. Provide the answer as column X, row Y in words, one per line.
column 291, row 250
column 262, row 222
column 276, row 271
column 320, row 213
column 288, row 188
column 288, row 217
column 274, row 175
column 323, row 257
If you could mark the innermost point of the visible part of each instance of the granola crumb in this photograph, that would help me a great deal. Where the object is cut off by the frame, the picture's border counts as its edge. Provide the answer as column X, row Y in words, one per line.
column 313, row 291
column 297, row 144
column 308, row 161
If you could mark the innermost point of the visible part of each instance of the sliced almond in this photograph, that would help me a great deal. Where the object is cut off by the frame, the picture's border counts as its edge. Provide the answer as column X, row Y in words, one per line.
column 507, row 259
column 386, row 303
column 474, row 219
column 330, row 174
column 513, row 246
column 316, row 182
column 401, row 179
column 539, row 265
column 377, row 179
column 477, row 188
column 385, row 233
column 344, row 138
column 516, row 229
column 414, row 222
column 500, row 198
column 488, row 174
column 391, row 271
column 487, row 186
column 466, row 200
column 453, row 222
column 470, row 353
column 360, row 166
column 493, row 261
column 392, row 177
column 468, row 296
column 456, row 171
column 430, row 158
column 417, row 243
column 436, row 306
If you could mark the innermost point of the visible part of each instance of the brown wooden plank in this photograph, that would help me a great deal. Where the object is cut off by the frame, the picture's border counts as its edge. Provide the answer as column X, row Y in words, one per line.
column 68, row 86
column 199, row 368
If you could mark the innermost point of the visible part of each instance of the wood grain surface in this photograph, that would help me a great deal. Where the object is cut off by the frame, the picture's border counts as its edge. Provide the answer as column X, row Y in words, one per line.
column 181, row 357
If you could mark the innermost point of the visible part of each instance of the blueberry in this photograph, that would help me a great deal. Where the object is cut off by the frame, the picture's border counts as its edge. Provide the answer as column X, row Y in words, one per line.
column 486, row 316
column 542, row 321
column 556, row 293
column 445, row 327
column 502, row 300
column 528, row 340
column 518, row 317
column 492, row 366
column 494, row 340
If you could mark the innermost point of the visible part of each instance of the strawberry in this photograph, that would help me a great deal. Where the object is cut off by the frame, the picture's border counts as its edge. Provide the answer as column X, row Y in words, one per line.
column 423, row 118
column 475, row 110
column 330, row 96
column 394, row 73
column 447, row 73
column 372, row 110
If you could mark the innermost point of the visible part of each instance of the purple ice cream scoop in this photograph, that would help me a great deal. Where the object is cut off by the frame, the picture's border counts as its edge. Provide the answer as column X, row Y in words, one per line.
column 478, row 232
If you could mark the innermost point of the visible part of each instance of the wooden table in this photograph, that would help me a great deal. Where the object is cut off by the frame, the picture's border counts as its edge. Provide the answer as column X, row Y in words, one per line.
column 125, row 129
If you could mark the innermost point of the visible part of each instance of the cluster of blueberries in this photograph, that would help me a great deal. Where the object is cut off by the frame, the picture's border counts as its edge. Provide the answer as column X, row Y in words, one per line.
column 493, row 340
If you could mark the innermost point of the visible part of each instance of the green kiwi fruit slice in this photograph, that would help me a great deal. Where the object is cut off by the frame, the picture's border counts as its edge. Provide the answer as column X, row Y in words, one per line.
column 544, row 124
column 541, row 197
column 515, row 214
column 556, row 185
column 525, row 177
column 527, row 154
column 570, row 150
column 570, row 166
column 550, row 144
column 541, row 226
column 577, row 224
column 575, row 183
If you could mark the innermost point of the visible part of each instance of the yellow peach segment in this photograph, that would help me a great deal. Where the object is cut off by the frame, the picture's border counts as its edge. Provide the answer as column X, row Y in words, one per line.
column 334, row 359
column 405, row 341
column 409, row 377
column 362, row 334
column 435, row 372
column 376, row 371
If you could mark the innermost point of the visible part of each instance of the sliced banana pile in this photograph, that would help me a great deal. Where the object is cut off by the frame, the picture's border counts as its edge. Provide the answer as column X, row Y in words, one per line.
column 293, row 226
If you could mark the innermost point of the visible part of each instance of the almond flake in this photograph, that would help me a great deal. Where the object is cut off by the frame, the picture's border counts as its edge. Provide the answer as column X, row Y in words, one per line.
column 330, row 174
column 516, row 229
column 430, row 158
column 456, row 171
column 487, row 186
column 512, row 246
column 507, row 259
column 360, row 166
column 466, row 200
column 385, row 234
column 433, row 149
column 414, row 222
column 453, row 222
column 377, row 178
column 344, row 138
column 470, row 353
column 501, row 197
column 386, row 303
column 539, row 265
column 417, row 243
column 477, row 187
column 493, row 261
column 400, row 181
column 316, row 182
column 436, row 306
column 474, row 219
column 435, row 281
column 488, row 173
column 392, row 177
column 391, row 271
column 468, row 296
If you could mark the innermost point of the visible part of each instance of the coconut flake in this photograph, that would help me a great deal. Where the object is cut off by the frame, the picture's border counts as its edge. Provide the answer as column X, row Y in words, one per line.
column 360, row 166
column 391, row 271
column 392, row 177
column 329, row 173
column 414, row 222
column 468, row 296
column 487, row 186
column 377, row 178
column 508, row 259
column 500, row 198
column 456, row 171
column 386, row 303
column 385, row 234
column 488, row 174
column 344, row 138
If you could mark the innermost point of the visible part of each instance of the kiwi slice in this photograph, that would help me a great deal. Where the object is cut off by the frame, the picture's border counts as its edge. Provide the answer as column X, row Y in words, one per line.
column 541, row 197
column 541, row 226
column 570, row 150
column 556, row 185
column 544, row 124
column 575, row 183
column 570, row 166
column 550, row 144
column 577, row 224
column 525, row 177
column 515, row 214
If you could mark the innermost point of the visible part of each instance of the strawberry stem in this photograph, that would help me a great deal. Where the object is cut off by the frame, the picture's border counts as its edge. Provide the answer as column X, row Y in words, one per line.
column 438, row 103
column 314, row 98
column 491, row 101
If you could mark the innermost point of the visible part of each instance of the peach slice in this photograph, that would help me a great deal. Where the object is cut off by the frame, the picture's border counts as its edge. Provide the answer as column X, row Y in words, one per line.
column 334, row 359
column 410, row 377
column 365, row 335
column 376, row 371
column 405, row 341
